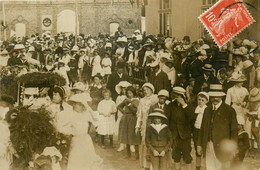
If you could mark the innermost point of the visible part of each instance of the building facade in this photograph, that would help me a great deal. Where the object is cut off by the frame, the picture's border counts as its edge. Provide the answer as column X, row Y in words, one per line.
column 178, row 18
column 76, row 16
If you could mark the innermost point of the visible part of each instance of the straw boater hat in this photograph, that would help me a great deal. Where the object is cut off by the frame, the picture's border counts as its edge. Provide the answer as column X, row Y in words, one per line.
column 164, row 93
column 79, row 86
column 157, row 114
column 237, row 77
column 75, row 48
column 122, row 84
column 121, row 39
column 31, row 91
column 158, row 110
column 149, row 85
column 208, row 67
column 4, row 52
column 19, row 47
column 254, row 95
column 31, row 49
column 108, row 45
column 216, row 90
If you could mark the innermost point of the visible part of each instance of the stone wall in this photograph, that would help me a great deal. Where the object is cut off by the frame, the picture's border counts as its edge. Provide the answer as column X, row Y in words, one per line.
column 93, row 16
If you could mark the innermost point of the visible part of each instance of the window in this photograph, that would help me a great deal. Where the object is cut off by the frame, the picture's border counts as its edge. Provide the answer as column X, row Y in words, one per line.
column 165, row 17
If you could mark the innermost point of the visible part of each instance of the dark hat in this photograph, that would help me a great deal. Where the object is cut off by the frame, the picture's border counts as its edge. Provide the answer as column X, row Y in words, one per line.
column 186, row 38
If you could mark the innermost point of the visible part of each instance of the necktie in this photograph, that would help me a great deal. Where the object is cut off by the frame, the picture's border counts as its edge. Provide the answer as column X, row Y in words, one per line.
column 161, row 107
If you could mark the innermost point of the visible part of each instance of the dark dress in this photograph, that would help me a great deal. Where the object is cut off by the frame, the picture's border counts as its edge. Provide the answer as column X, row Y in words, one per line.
column 96, row 95
column 127, row 123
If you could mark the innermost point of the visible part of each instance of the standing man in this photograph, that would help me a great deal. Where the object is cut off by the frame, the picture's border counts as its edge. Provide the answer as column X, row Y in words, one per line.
column 115, row 78
column 159, row 78
column 219, row 123
column 180, row 125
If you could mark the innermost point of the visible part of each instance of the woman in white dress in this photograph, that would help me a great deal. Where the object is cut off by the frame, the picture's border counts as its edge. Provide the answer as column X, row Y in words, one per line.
column 106, row 65
column 237, row 94
column 142, row 114
column 96, row 64
column 82, row 152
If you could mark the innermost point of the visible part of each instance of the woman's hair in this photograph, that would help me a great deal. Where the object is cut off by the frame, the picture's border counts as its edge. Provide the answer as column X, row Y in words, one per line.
column 59, row 90
column 132, row 89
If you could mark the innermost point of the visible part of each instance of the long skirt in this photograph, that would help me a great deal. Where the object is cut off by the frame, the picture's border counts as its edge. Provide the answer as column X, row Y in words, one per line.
column 83, row 154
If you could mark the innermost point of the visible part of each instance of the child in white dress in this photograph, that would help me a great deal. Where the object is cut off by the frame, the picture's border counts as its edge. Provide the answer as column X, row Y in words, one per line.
column 107, row 110
column 106, row 65
column 82, row 153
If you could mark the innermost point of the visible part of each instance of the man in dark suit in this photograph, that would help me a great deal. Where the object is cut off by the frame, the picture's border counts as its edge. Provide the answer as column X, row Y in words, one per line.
column 219, row 124
column 202, row 82
column 179, row 122
column 115, row 78
column 159, row 78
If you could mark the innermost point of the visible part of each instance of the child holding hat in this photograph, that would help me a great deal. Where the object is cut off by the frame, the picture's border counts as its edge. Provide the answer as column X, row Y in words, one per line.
column 158, row 141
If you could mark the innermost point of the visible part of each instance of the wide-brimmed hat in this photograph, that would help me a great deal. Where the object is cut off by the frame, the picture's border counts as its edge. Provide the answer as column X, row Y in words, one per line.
column 4, row 52
column 82, row 98
column 149, row 85
column 108, row 45
column 131, row 48
column 216, row 90
column 208, row 67
column 254, row 95
column 164, row 93
column 79, row 86
column 157, row 114
column 31, row 49
column 237, row 77
column 122, row 39
column 137, row 31
column 139, row 38
column 19, row 47
column 122, row 84
column 31, row 90
column 247, row 64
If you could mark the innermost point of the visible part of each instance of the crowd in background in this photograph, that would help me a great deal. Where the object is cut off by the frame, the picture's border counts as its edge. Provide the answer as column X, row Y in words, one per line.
column 133, row 84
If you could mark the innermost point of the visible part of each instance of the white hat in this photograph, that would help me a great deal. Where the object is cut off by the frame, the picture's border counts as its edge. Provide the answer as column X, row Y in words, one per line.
column 108, row 45
column 31, row 48
column 216, row 90
column 19, row 47
column 51, row 151
column 247, row 64
column 79, row 86
column 149, row 85
column 137, row 31
column 204, row 94
column 75, row 48
column 4, row 52
column 122, row 84
column 121, row 39
column 157, row 114
column 80, row 98
column 154, row 64
column 179, row 90
column 163, row 92
column 139, row 38
column 31, row 90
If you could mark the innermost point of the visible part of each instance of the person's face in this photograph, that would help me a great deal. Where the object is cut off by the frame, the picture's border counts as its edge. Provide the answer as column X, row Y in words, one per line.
column 239, row 84
column 106, row 96
column 207, row 73
column 120, row 70
column 202, row 101
column 215, row 100
column 78, row 107
column 82, row 53
column 56, row 98
column 257, row 56
column 169, row 64
column 192, row 83
column 223, row 75
column 155, row 69
column 147, row 91
column 130, row 94
column 97, row 80
column 162, row 99
column 123, row 90
column 157, row 121
column 148, row 48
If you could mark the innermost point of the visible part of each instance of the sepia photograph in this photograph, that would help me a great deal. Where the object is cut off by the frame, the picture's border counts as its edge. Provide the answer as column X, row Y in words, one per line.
column 130, row 85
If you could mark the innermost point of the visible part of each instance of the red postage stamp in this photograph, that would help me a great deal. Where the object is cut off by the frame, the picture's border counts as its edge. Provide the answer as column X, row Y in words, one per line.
column 226, row 19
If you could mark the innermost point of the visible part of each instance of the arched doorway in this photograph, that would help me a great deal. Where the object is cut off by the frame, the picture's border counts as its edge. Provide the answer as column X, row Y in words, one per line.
column 20, row 30
column 66, row 21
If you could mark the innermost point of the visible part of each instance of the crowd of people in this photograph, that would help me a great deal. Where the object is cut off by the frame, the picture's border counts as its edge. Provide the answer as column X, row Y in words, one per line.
column 155, row 93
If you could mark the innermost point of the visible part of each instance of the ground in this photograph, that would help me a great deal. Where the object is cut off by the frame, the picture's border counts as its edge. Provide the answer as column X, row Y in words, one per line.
column 113, row 160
